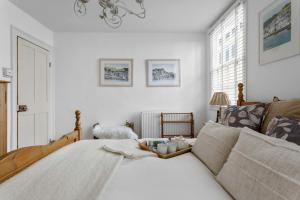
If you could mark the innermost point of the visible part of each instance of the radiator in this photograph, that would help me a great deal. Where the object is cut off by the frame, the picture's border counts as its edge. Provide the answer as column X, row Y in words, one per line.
column 150, row 124
column 151, row 127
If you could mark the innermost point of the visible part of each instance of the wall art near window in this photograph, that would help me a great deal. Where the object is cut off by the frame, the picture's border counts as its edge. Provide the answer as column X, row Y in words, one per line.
column 116, row 72
column 279, row 31
column 163, row 73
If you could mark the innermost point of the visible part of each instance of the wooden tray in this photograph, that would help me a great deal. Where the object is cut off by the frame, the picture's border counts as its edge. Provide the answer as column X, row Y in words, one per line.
column 144, row 147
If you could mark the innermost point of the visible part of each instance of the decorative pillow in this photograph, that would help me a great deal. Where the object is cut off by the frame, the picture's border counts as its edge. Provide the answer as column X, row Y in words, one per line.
column 262, row 167
column 285, row 128
column 244, row 116
column 290, row 109
column 214, row 143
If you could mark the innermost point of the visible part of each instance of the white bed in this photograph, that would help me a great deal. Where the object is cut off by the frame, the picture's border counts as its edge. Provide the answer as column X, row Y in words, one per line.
column 84, row 171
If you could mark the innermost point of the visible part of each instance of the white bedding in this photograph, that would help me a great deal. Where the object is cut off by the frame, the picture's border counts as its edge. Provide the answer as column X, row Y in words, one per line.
column 84, row 171
column 76, row 172
column 180, row 178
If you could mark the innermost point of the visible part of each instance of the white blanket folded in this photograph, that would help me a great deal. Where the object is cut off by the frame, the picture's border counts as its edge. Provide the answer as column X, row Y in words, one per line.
column 118, row 132
column 129, row 150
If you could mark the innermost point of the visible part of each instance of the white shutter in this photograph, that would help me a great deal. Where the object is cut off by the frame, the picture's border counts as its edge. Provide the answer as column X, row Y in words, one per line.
column 228, row 52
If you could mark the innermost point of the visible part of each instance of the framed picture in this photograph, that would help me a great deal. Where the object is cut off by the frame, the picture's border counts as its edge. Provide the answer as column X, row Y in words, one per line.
column 163, row 73
column 279, row 31
column 116, row 72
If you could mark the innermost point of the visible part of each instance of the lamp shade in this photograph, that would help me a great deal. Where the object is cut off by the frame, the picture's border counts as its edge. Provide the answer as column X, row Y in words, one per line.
column 220, row 99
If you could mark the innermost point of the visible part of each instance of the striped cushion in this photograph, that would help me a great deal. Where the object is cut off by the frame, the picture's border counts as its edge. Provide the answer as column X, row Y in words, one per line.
column 214, row 144
column 261, row 167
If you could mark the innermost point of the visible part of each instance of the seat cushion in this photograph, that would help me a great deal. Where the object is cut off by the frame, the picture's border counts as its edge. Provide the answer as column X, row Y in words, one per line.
column 262, row 167
column 250, row 116
column 290, row 109
column 214, row 143
column 285, row 128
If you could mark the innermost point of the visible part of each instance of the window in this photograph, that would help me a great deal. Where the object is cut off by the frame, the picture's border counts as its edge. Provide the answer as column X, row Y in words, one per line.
column 228, row 52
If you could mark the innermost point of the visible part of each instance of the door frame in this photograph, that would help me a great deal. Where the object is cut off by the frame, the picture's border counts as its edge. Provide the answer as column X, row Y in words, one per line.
column 13, row 115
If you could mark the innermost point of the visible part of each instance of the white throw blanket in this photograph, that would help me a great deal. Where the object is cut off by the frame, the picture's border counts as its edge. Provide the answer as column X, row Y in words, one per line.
column 129, row 150
column 118, row 132
column 76, row 172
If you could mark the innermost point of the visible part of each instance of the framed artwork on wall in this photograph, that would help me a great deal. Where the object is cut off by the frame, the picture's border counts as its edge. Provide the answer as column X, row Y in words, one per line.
column 163, row 73
column 279, row 33
column 116, row 72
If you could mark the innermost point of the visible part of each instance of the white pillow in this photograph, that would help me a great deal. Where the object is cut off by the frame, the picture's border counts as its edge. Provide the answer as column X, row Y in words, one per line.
column 118, row 132
column 262, row 167
column 214, row 144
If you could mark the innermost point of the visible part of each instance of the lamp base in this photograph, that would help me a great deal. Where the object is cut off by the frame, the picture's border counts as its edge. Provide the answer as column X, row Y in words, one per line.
column 219, row 115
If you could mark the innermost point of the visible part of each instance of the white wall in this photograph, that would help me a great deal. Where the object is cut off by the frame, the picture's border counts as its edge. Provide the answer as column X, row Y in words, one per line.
column 77, row 80
column 265, row 81
column 10, row 15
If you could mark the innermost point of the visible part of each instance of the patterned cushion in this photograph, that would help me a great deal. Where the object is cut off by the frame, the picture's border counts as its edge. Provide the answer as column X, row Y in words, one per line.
column 262, row 168
column 290, row 109
column 285, row 128
column 244, row 116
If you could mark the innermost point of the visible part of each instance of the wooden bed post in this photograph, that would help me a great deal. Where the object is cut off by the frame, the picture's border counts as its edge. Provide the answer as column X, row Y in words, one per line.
column 241, row 99
column 77, row 123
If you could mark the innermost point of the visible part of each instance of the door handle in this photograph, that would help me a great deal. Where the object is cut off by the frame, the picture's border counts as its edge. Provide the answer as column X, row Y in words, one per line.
column 22, row 108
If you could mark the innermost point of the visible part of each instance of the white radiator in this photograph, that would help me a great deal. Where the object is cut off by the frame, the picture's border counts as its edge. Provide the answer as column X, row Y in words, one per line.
column 151, row 127
column 150, row 124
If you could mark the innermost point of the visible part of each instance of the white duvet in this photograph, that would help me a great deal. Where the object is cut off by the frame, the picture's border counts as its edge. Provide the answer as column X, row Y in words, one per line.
column 180, row 178
column 84, row 171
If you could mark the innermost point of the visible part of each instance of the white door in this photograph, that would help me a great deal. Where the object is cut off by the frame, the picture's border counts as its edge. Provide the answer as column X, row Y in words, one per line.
column 33, row 94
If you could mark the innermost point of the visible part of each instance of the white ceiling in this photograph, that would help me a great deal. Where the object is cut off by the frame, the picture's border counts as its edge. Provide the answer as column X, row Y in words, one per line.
column 162, row 15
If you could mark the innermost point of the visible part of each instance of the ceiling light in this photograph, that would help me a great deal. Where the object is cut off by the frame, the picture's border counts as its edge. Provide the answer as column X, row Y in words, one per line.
column 112, row 11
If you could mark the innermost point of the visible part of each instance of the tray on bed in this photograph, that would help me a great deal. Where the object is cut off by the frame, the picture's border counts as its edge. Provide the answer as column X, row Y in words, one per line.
column 144, row 147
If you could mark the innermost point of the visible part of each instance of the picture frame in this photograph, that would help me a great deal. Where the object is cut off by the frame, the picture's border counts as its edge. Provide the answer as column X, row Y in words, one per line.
column 163, row 73
column 116, row 72
column 279, row 31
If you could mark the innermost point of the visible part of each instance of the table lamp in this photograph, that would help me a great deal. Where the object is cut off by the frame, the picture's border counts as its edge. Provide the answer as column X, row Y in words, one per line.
column 219, row 99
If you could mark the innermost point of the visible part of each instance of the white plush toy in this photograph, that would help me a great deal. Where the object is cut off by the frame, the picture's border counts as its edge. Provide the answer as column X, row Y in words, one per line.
column 118, row 132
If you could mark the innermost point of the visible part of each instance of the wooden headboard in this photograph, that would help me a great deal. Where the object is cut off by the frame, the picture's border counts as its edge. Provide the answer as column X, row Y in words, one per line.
column 241, row 101
column 16, row 161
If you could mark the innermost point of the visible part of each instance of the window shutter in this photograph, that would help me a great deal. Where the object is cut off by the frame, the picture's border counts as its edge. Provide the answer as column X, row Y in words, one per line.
column 228, row 52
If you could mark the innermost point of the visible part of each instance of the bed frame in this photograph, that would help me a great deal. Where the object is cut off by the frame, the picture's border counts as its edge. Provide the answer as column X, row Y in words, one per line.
column 241, row 101
column 15, row 161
